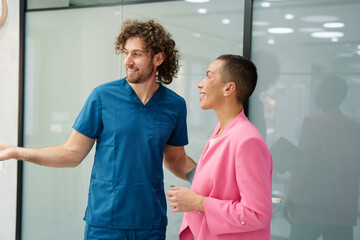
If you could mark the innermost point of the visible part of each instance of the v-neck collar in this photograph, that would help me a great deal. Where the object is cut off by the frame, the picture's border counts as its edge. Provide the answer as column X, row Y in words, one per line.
column 136, row 100
column 240, row 117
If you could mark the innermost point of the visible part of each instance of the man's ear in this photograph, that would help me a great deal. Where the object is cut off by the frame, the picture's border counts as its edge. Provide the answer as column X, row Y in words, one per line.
column 159, row 58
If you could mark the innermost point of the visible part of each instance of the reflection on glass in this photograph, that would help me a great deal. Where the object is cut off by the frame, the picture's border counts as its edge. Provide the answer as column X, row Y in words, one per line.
column 268, row 75
column 311, row 129
column 324, row 185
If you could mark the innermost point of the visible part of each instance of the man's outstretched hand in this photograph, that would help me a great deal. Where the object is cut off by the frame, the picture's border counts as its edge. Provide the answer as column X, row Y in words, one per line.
column 7, row 151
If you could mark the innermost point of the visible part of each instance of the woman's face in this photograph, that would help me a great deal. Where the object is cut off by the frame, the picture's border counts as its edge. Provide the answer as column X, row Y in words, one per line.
column 212, row 86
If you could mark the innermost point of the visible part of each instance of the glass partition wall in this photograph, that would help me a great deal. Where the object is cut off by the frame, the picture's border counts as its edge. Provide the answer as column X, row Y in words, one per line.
column 306, row 104
column 307, row 107
column 68, row 52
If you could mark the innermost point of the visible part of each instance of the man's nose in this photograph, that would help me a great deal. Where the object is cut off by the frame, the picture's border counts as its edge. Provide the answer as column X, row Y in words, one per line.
column 128, row 60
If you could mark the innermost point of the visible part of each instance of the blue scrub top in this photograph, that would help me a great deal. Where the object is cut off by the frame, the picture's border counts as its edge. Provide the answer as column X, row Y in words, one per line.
column 126, row 187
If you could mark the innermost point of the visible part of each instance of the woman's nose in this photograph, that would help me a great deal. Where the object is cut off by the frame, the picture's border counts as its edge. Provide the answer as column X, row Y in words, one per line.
column 200, row 84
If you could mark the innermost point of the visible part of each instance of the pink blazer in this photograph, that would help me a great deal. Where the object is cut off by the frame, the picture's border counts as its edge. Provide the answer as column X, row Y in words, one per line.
column 235, row 175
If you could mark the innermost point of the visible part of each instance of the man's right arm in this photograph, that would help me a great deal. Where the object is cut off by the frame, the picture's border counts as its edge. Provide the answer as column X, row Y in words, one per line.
column 69, row 154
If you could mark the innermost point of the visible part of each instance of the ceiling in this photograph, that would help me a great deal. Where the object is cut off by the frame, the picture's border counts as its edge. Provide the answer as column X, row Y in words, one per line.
column 301, row 17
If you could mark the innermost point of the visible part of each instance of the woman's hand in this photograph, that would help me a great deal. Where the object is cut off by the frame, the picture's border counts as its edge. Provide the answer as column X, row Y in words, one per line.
column 185, row 200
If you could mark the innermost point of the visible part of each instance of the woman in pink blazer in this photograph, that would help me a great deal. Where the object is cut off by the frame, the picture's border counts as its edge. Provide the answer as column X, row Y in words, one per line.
column 230, row 197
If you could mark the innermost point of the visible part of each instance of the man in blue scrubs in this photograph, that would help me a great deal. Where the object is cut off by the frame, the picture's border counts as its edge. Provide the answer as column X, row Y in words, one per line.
column 137, row 124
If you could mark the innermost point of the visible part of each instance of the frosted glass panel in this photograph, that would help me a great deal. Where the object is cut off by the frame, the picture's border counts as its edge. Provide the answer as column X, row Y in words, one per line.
column 68, row 53
column 307, row 106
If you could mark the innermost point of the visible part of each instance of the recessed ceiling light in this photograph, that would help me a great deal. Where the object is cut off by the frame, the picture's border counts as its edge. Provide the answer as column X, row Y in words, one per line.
column 320, row 18
column 289, row 17
column 280, row 30
column 327, row 34
column 358, row 52
column 335, row 39
column 358, row 46
column 202, row 10
column 271, row 41
column 334, row 25
column 225, row 21
column 265, row 4
column 197, row 1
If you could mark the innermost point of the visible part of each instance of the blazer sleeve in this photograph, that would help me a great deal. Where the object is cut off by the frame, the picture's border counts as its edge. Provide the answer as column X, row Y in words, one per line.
column 253, row 166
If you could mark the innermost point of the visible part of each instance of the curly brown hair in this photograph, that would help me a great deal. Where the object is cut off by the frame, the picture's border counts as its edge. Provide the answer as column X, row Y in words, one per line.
column 155, row 38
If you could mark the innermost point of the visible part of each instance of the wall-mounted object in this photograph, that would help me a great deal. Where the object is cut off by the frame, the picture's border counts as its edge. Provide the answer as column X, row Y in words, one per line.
column 3, row 12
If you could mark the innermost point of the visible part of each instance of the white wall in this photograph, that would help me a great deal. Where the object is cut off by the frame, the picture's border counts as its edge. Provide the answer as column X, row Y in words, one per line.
column 9, row 85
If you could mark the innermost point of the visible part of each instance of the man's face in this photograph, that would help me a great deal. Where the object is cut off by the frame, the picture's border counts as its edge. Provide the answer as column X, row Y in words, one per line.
column 212, row 87
column 138, row 61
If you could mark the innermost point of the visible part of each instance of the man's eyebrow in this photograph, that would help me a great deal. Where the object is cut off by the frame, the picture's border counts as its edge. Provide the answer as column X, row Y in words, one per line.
column 137, row 50
column 208, row 71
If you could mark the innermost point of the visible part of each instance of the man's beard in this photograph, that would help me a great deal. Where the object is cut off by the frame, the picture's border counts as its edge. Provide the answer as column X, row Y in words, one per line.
column 141, row 76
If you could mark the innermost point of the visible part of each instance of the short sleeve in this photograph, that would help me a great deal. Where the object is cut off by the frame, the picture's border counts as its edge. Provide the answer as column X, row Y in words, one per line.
column 179, row 135
column 89, row 121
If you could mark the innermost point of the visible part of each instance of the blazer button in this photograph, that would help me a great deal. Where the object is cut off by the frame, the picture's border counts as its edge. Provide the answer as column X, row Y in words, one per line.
column 243, row 222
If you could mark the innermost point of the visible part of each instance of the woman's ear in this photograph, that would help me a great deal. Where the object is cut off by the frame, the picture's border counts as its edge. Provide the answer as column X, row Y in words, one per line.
column 159, row 58
column 230, row 88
